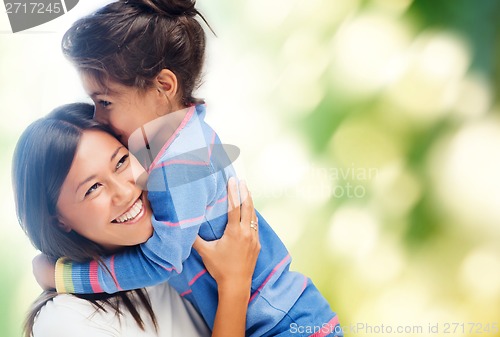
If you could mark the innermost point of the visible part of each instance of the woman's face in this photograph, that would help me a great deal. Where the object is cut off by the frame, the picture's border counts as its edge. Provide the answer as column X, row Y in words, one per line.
column 99, row 198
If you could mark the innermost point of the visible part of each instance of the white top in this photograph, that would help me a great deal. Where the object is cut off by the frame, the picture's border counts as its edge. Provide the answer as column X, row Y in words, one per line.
column 69, row 316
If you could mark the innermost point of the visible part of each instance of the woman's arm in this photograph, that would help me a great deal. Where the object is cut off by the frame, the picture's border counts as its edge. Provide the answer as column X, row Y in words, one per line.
column 231, row 262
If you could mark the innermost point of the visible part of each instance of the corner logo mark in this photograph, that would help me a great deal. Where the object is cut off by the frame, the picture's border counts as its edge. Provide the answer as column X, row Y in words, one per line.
column 25, row 14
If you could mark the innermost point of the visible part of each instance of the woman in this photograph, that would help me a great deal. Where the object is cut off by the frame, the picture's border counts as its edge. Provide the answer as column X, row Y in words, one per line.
column 53, row 160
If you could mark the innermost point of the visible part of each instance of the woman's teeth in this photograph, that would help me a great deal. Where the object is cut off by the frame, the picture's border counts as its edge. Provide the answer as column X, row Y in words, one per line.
column 131, row 213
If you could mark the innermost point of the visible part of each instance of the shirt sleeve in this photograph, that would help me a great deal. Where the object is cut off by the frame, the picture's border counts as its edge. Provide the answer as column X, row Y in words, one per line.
column 179, row 192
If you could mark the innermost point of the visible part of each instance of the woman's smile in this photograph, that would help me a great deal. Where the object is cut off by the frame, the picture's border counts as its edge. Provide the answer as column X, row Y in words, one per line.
column 133, row 214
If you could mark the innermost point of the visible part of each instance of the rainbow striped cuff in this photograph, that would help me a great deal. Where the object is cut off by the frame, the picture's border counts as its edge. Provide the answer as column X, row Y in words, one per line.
column 79, row 277
column 64, row 276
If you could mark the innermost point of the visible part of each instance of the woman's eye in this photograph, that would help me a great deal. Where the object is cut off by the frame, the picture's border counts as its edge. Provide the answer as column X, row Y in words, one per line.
column 122, row 161
column 104, row 104
column 92, row 188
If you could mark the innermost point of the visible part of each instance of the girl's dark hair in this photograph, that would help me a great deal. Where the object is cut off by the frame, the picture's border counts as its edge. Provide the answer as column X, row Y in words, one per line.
column 42, row 159
column 131, row 41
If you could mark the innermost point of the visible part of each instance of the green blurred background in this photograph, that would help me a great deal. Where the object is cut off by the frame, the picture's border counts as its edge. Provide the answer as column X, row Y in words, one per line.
column 370, row 138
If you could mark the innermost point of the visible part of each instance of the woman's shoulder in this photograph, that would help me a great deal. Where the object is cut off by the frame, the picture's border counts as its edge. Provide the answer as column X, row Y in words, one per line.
column 68, row 315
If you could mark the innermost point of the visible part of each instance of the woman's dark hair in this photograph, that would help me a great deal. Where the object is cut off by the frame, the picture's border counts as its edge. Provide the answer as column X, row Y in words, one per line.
column 42, row 160
column 131, row 41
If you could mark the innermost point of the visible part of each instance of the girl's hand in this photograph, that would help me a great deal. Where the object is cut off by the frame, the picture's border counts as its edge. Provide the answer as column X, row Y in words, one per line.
column 231, row 259
column 44, row 271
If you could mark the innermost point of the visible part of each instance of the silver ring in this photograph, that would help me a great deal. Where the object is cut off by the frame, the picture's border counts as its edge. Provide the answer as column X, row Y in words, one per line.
column 253, row 225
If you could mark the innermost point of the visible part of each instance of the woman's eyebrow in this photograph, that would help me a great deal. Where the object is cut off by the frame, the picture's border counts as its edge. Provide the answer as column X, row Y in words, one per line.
column 116, row 152
column 85, row 181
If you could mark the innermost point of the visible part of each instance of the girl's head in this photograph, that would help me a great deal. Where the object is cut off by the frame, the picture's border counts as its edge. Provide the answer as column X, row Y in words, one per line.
column 153, row 48
column 74, row 189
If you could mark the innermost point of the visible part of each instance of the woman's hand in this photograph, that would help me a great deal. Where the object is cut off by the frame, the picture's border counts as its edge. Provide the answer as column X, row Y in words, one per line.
column 231, row 261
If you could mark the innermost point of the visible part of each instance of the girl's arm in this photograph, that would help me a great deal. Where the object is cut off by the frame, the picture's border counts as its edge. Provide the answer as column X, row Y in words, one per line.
column 231, row 262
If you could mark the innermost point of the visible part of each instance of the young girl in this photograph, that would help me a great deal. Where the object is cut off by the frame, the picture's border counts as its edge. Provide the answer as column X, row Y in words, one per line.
column 140, row 61
column 52, row 157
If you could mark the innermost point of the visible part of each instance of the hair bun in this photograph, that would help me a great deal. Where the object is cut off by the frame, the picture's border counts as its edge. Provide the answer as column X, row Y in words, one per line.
column 171, row 8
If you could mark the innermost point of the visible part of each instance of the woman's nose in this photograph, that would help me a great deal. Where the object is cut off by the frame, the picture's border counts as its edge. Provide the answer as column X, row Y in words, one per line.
column 123, row 192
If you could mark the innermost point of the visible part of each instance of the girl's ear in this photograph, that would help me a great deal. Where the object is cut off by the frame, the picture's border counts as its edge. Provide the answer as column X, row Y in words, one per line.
column 166, row 81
